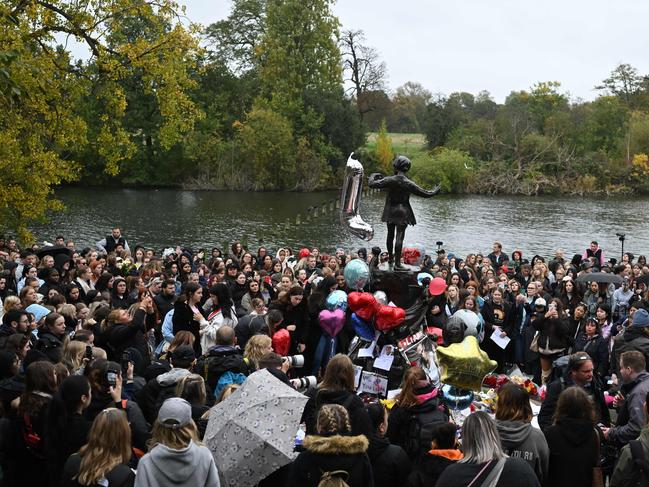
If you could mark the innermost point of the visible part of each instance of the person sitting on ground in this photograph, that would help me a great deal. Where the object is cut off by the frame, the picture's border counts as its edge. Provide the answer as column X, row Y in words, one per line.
column 104, row 460
column 484, row 462
column 333, row 454
column 626, row 471
column 390, row 464
column 176, row 455
column 517, row 436
column 630, row 400
column 580, row 373
column 444, row 452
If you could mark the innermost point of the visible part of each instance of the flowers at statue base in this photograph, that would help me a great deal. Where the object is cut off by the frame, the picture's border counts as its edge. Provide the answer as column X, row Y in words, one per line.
column 496, row 381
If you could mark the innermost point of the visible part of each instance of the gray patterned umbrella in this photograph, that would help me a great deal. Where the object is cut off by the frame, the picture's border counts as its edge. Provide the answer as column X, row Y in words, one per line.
column 252, row 433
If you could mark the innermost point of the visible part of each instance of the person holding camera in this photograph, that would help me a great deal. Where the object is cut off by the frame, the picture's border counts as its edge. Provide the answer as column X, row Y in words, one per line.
column 552, row 339
column 106, row 392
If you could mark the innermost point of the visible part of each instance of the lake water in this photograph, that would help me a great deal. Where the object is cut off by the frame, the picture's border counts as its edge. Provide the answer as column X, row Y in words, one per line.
column 161, row 218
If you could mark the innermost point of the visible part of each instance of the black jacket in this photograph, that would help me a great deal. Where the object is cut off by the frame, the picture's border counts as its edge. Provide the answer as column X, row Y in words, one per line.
column 164, row 303
column 552, row 331
column 597, row 348
column 632, row 339
column 430, row 468
column 156, row 391
column 216, row 362
column 73, row 436
column 183, row 319
column 51, row 345
column 556, row 387
column 332, row 453
column 120, row 337
column 573, row 453
column 248, row 326
column 358, row 417
column 390, row 464
column 119, row 476
column 516, row 473
column 402, row 421
column 140, row 429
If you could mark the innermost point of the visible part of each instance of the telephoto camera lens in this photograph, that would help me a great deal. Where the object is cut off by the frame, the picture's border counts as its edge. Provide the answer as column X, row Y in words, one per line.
column 303, row 383
column 294, row 360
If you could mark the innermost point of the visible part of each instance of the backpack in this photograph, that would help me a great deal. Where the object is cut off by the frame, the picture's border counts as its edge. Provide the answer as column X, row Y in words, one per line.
column 226, row 379
column 420, row 432
column 334, row 478
column 640, row 464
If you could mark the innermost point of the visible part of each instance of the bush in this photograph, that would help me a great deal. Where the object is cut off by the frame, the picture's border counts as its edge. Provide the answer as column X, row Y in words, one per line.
column 450, row 168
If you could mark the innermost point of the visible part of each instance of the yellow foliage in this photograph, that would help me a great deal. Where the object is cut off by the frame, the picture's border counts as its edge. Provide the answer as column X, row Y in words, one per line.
column 384, row 152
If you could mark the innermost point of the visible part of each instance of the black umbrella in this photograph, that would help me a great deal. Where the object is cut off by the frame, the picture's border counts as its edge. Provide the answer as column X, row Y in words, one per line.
column 605, row 277
column 53, row 250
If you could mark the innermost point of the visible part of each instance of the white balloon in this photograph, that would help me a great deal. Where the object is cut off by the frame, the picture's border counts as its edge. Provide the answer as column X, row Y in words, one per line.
column 381, row 297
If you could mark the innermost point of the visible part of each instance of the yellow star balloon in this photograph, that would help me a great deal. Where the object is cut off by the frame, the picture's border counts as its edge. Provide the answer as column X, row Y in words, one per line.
column 464, row 364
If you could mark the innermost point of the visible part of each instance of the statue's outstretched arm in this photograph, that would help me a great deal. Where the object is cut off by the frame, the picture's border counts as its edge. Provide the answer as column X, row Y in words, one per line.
column 417, row 190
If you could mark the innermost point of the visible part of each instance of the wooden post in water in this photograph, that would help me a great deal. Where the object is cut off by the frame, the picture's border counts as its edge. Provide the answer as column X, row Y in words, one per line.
column 315, row 212
column 308, row 214
column 297, row 219
column 287, row 225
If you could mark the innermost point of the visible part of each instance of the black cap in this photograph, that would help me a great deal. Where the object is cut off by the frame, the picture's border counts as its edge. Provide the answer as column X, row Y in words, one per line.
column 183, row 355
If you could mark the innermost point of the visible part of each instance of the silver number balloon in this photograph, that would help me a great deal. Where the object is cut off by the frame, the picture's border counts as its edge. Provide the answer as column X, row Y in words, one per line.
column 350, row 200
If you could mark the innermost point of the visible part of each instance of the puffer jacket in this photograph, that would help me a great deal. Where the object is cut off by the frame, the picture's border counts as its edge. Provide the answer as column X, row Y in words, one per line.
column 553, row 333
column 337, row 453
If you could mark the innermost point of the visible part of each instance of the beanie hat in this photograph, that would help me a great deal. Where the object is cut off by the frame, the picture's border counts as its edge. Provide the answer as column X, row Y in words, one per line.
column 640, row 318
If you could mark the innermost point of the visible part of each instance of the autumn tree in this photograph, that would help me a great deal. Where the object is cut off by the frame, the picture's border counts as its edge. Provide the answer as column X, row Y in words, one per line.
column 42, row 129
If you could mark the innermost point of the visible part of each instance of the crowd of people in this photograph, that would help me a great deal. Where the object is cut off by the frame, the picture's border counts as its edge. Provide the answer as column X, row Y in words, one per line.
column 111, row 357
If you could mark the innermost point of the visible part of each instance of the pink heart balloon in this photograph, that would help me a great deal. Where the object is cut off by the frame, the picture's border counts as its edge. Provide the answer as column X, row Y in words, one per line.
column 331, row 322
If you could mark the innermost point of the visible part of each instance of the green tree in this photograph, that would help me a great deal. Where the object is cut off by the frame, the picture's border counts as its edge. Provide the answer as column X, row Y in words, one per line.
column 267, row 155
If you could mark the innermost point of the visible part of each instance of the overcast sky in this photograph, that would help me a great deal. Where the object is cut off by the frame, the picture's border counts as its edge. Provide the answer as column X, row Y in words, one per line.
column 494, row 45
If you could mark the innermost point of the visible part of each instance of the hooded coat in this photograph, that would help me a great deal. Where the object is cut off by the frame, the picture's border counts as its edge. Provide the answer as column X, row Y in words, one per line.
column 431, row 467
column 165, row 467
column 573, row 453
column 154, row 393
column 390, row 464
column 520, row 440
column 633, row 338
column 329, row 454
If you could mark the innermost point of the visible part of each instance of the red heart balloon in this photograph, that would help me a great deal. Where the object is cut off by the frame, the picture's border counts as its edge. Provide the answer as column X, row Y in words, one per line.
column 363, row 304
column 388, row 317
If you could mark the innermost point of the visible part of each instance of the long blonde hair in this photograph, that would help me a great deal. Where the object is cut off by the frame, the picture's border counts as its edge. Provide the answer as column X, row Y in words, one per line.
column 174, row 438
column 109, row 445
column 73, row 352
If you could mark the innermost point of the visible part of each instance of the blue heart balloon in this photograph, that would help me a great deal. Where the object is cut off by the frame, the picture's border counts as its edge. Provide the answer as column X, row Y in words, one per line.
column 456, row 398
column 362, row 328
column 357, row 274
column 337, row 300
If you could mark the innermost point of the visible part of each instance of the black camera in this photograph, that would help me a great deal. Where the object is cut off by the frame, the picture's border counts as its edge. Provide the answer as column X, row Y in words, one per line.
column 88, row 354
